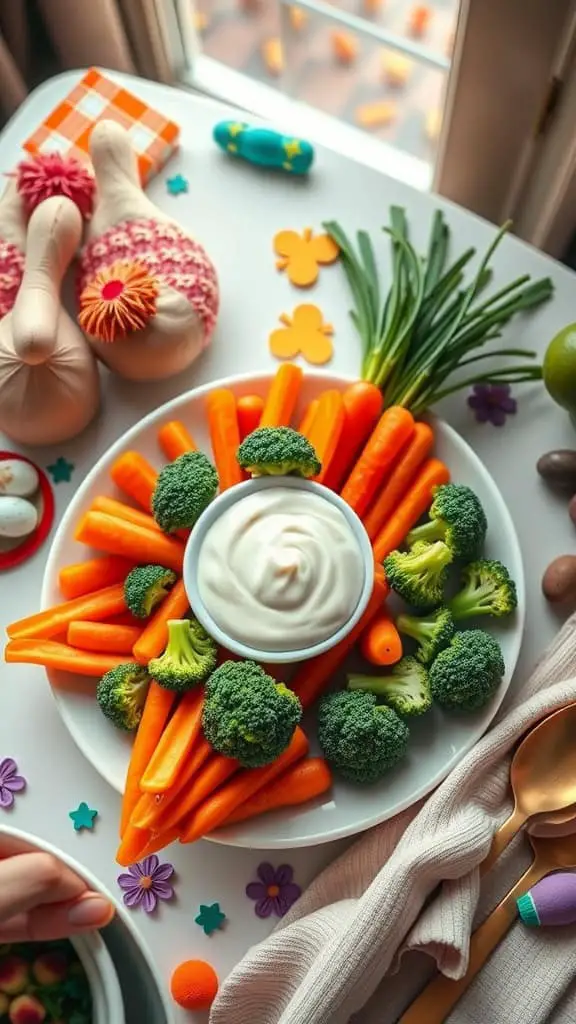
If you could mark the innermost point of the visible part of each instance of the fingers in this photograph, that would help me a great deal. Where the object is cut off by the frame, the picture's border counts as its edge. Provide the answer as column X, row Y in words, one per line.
column 28, row 880
column 58, row 921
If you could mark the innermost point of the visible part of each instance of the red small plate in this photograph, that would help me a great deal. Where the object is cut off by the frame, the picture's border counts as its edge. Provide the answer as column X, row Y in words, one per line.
column 22, row 552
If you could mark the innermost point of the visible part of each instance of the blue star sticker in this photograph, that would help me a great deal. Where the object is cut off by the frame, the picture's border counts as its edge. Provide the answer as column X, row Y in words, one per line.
column 210, row 918
column 177, row 184
column 83, row 817
column 61, row 470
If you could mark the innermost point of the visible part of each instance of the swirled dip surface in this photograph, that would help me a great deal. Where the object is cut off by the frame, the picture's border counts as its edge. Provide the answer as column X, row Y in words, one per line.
column 280, row 570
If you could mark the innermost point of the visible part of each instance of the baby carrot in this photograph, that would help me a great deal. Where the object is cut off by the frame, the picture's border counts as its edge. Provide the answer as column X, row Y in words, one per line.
column 154, row 636
column 299, row 783
column 282, row 396
column 161, row 811
column 308, row 418
column 403, row 472
column 213, row 774
column 224, row 436
column 96, row 607
column 175, row 744
column 85, row 577
column 326, row 428
column 158, row 841
column 107, row 637
column 119, row 537
column 394, row 428
column 159, row 703
column 52, row 654
column 249, row 411
column 380, row 642
column 362, row 407
column 134, row 475
column 413, row 505
column 175, row 440
column 132, row 846
column 121, row 510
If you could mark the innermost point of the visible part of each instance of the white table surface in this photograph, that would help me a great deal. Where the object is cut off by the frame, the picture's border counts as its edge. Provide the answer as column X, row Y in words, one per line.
column 235, row 210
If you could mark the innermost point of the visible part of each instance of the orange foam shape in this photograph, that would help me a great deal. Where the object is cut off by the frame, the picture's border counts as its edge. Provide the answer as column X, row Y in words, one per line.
column 300, row 255
column 304, row 333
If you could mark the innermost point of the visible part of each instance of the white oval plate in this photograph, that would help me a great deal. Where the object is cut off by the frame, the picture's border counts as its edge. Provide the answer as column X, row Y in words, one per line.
column 438, row 741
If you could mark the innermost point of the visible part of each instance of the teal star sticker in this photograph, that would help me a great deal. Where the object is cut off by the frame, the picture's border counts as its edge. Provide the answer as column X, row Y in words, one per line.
column 61, row 470
column 177, row 184
column 210, row 918
column 83, row 817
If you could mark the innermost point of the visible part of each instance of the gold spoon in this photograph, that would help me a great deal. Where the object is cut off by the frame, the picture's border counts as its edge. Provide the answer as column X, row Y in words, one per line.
column 542, row 776
column 440, row 996
column 556, row 824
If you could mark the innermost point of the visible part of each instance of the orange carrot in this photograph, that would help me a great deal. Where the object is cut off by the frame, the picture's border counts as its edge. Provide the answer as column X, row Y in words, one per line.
column 362, row 408
column 380, row 643
column 215, row 771
column 132, row 846
column 52, row 654
column 96, row 607
column 175, row 744
column 134, row 475
column 413, row 505
column 121, row 510
column 119, row 537
column 154, row 637
column 158, row 841
column 85, row 577
column 301, row 782
column 403, row 472
column 217, row 807
column 249, row 410
column 161, row 811
column 102, row 636
column 326, row 428
column 282, row 396
column 159, row 703
column 394, row 428
column 224, row 436
column 175, row 440
column 313, row 675
column 307, row 420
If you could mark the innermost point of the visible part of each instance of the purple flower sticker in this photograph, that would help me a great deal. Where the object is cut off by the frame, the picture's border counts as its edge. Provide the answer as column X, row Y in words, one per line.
column 146, row 882
column 492, row 403
column 10, row 782
column 275, row 892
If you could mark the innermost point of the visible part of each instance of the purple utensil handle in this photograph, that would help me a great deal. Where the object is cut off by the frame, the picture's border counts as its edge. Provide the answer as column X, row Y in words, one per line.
column 552, row 901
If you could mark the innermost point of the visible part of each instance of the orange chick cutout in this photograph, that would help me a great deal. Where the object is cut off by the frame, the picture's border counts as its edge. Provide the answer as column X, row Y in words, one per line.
column 304, row 333
column 300, row 255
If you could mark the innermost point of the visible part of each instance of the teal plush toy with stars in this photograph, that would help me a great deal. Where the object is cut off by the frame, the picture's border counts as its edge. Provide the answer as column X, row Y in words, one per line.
column 264, row 146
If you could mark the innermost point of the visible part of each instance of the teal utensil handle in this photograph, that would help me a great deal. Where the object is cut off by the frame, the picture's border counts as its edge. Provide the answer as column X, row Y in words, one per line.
column 264, row 146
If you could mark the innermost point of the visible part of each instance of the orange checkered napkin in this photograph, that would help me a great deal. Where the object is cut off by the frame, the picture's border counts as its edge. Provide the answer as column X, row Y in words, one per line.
column 67, row 129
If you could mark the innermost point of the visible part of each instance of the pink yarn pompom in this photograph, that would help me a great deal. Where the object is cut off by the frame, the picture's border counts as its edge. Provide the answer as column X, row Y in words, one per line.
column 50, row 174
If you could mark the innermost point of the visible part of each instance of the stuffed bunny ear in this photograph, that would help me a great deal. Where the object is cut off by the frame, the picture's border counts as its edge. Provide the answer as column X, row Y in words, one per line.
column 51, row 174
column 120, row 299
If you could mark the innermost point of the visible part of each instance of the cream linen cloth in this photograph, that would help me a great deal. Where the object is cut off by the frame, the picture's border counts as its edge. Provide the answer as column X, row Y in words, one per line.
column 358, row 944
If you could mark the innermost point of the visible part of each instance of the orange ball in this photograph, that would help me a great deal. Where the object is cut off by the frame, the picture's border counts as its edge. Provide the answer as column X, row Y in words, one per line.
column 194, row 984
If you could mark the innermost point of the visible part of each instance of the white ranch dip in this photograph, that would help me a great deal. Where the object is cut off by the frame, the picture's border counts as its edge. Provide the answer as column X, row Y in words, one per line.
column 280, row 570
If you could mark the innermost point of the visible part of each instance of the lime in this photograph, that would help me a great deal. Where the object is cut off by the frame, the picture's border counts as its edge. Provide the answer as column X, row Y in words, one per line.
column 559, row 369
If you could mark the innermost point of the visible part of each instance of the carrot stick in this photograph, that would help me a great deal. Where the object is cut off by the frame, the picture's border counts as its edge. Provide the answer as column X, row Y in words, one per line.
column 362, row 407
column 159, row 703
column 301, row 782
column 282, row 396
column 215, row 771
column 249, row 411
column 121, row 510
column 324, row 433
column 380, row 643
column 308, row 418
column 175, row 744
column 394, row 428
column 96, row 607
column 102, row 636
column 403, row 472
column 313, row 675
column 52, row 654
column 224, row 436
column 85, row 577
column 175, row 440
column 132, row 846
column 154, row 636
column 217, row 807
column 161, row 811
column 119, row 537
column 413, row 505
column 159, row 841
column 134, row 475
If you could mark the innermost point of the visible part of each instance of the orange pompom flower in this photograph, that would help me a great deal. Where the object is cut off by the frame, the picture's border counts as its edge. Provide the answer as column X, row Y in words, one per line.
column 119, row 300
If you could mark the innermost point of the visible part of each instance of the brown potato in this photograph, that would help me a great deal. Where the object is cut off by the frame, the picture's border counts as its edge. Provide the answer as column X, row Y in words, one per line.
column 559, row 580
column 558, row 469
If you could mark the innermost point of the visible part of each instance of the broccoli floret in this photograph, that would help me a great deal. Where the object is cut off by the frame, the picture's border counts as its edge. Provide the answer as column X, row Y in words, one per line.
column 189, row 658
column 144, row 588
column 184, row 489
column 419, row 575
column 359, row 737
column 487, row 589
column 405, row 688
column 433, row 632
column 456, row 517
column 247, row 714
column 467, row 673
column 278, row 451
column 121, row 694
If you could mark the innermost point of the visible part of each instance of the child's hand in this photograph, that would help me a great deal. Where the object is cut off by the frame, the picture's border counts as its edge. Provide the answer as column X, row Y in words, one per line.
column 41, row 898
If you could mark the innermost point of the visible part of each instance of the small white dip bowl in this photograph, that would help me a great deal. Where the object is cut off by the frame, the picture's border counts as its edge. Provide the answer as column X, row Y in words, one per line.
column 193, row 555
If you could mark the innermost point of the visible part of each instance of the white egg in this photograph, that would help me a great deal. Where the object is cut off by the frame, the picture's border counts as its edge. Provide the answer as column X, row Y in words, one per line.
column 18, row 517
column 17, row 477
